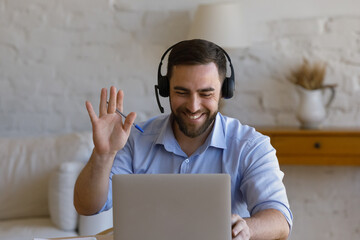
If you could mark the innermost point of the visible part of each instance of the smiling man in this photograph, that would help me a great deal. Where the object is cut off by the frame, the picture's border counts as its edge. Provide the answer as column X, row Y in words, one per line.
column 194, row 101
column 194, row 138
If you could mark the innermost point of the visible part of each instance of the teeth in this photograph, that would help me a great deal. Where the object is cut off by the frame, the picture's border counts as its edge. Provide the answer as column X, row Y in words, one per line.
column 194, row 117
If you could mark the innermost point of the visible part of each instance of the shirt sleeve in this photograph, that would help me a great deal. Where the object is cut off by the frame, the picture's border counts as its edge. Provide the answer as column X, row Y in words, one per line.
column 262, row 184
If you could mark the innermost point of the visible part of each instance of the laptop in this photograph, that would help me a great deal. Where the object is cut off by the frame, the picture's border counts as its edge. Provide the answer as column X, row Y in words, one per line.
column 172, row 206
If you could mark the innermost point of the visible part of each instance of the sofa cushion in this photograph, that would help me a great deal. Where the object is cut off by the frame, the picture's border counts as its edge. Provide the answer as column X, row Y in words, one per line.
column 25, row 168
column 29, row 228
column 61, row 195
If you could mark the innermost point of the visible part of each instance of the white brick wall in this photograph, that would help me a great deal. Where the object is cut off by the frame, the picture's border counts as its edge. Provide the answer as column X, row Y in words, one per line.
column 65, row 51
column 284, row 44
column 54, row 55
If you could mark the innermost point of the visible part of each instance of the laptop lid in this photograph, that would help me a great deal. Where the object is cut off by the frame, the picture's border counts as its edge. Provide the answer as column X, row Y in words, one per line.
column 172, row 206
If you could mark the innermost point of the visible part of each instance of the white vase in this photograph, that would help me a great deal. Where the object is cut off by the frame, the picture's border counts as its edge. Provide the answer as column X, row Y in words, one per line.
column 313, row 105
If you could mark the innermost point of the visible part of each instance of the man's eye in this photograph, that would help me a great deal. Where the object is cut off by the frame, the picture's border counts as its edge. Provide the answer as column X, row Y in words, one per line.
column 181, row 93
column 206, row 94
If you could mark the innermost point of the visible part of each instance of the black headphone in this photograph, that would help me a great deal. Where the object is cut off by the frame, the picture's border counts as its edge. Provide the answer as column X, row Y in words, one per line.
column 163, row 87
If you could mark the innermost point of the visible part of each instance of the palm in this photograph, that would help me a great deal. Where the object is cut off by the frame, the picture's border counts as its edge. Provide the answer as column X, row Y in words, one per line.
column 109, row 132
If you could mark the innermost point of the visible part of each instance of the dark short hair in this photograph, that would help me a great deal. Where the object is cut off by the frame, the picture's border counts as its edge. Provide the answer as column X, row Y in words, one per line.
column 196, row 52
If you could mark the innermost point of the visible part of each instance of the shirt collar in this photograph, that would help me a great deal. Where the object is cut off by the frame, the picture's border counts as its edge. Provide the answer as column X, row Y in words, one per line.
column 217, row 135
column 166, row 136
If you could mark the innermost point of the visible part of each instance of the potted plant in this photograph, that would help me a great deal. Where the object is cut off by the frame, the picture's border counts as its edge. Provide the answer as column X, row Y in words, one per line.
column 309, row 80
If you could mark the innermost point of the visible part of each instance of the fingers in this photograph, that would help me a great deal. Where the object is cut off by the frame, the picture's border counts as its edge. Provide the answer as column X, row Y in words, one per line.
column 91, row 112
column 240, row 229
column 112, row 100
column 235, row 218
column 234, row 222
column 103, row 104
column 109, row 106
column 129, row 121
column 119, row 100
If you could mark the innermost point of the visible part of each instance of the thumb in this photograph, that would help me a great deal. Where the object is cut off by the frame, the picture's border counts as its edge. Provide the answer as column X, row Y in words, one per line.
column 129, row 120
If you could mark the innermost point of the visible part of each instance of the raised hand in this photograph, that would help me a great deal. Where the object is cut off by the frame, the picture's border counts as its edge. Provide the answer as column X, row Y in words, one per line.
column 109, row 132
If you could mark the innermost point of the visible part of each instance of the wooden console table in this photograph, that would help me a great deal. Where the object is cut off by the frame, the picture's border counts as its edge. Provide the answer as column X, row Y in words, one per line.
column 315, row 147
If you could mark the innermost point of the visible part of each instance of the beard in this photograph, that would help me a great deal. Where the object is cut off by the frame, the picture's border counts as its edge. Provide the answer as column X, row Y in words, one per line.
column 191, row 130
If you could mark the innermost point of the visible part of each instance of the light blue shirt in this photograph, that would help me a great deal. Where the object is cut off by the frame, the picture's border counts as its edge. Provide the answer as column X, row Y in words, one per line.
column 232, row 148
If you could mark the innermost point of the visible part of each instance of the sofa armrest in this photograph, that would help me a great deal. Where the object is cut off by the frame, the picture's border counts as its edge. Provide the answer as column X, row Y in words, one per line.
column 61, row 194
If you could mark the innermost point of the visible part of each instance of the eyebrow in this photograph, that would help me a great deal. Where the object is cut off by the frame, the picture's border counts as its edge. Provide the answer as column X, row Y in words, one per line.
column 209, row 89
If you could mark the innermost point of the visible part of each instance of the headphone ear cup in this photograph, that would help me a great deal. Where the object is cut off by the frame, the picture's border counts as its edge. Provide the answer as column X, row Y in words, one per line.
column 163, row 85
column 227, row 89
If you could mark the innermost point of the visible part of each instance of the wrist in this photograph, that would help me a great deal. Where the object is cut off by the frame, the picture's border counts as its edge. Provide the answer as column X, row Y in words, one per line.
column 250, row 223
column 101, row 160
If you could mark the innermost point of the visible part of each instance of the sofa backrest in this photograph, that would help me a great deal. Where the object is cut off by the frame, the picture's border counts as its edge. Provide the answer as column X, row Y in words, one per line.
column 26, row 166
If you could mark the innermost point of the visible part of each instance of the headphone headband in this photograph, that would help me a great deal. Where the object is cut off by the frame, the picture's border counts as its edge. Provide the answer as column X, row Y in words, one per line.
column 163, row 86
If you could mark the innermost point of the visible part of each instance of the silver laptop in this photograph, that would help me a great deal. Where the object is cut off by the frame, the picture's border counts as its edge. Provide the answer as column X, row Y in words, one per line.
column 172, row 207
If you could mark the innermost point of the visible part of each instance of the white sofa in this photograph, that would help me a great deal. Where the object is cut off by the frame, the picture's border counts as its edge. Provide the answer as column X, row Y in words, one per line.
column 37, row 177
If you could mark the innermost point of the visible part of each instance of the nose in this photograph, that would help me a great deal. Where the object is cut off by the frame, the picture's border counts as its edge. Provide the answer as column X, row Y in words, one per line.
column 193, row 103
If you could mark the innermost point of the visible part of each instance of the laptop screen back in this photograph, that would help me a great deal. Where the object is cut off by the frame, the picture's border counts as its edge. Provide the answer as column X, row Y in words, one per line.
column 172, row 206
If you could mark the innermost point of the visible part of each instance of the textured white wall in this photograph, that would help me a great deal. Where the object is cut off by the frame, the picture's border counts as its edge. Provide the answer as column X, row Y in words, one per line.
column 325, row 202
column 264, row 95
column 54, row 55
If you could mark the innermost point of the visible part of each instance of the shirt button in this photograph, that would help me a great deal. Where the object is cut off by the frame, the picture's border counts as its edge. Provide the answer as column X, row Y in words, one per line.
column 187, row 161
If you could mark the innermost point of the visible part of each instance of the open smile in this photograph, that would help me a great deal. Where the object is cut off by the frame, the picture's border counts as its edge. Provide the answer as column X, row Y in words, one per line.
column 194, row 116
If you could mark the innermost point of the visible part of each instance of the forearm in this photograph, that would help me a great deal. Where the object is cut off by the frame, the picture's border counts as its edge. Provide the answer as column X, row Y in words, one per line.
column 268, row 224
column 91, row 187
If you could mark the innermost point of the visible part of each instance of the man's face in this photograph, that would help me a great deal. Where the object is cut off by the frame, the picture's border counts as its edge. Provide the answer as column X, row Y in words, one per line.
column 194, row 97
